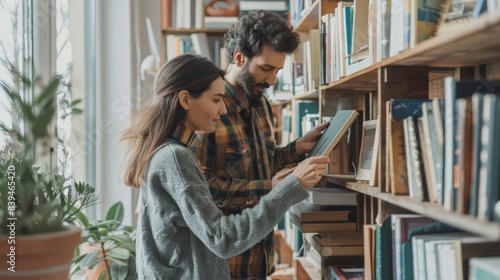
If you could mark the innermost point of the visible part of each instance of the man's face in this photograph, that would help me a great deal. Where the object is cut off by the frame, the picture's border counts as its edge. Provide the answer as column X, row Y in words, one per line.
column 260, row 72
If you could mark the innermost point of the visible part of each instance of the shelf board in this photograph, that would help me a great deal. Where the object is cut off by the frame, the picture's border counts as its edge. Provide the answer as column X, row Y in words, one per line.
column 310, row 20
column 433, row 211
column 310, row 94
column 192, row 30
column 365, row 79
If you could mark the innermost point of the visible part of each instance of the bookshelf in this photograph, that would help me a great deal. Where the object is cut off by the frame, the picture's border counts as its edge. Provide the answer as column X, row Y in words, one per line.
column 467, row 50
column 184, row 31
column 185, row 27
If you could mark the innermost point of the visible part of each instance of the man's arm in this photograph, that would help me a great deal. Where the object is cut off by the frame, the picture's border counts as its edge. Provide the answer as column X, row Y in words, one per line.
column 225, row 188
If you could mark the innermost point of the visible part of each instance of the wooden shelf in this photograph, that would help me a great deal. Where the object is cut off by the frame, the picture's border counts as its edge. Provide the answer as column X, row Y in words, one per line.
column 433, row 211
column 310, row 94
column 310, row 20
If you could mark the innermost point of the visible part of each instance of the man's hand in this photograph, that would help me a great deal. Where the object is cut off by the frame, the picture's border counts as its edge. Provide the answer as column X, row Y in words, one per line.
column 281, row 175
column 305, row 143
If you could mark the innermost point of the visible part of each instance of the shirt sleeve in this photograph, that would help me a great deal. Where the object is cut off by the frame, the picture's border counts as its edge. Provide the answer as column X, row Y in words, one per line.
column 286, row 155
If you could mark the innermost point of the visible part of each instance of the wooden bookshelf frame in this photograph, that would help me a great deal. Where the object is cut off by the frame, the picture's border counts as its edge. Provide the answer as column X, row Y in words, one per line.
column 406, row 75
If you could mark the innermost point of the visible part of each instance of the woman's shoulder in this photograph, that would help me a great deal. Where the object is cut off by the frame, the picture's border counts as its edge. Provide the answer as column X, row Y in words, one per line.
column 170, row 153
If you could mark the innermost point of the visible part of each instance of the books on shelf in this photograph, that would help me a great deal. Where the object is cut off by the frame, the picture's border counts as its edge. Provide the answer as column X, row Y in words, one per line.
column 455, row 90
column 331, row 196
column 200, row 44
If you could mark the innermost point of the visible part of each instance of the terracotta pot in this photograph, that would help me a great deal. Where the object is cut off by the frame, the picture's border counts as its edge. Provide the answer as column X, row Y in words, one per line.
column 94, row 273
column 39, row 256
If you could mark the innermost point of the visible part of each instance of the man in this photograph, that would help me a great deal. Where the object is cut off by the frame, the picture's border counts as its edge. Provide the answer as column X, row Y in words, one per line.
column 241, row 157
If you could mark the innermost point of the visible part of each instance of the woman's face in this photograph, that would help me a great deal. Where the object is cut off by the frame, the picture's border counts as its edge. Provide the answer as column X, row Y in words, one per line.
column 204, row 112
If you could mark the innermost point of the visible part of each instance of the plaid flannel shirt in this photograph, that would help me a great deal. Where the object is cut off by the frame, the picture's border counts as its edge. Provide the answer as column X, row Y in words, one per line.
column 238, row 161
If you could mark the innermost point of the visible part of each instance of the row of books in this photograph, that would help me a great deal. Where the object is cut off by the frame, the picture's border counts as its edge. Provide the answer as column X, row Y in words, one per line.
column 356, row 34
column 191, row 13
column 198, row 43
column 409, row 246
column 445, row 151
column 182, row 14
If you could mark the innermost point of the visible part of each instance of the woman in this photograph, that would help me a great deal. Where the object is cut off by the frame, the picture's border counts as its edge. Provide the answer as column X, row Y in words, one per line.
column 181, row 232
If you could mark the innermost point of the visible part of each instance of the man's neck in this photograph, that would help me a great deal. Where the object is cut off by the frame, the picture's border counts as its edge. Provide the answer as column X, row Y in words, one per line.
column 232, row 79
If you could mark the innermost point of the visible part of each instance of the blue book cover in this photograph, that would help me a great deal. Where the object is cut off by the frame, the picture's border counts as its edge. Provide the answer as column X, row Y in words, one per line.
column 383, row 250
column 489, row 192
column 477, row 123
column 403, row 108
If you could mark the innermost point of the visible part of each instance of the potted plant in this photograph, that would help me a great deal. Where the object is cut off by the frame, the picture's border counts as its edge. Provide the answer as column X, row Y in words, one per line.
column 37, row 203
column 108, row 247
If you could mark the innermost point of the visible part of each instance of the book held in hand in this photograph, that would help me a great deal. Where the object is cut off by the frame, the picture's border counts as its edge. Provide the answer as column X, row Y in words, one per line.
column 332, row 135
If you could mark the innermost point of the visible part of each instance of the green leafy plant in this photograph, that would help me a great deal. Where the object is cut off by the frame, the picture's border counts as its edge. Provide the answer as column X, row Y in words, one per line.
column 40, row 199
column 113, row 246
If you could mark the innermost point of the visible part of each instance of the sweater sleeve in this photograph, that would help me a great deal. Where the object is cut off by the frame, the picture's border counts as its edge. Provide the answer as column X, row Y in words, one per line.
column 230, row 235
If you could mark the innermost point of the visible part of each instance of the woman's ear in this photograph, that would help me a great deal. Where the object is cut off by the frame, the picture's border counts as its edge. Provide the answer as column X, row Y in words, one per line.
column 184, row 99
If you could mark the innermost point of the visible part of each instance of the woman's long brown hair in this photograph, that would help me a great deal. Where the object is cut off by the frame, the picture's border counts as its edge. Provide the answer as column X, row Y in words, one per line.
column 153, row 123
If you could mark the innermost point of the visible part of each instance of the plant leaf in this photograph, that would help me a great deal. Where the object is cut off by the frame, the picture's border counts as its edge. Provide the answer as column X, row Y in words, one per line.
column 116, row 213
column 88, row 259
column 102, row 276
column 118, row 272
column 119, row 253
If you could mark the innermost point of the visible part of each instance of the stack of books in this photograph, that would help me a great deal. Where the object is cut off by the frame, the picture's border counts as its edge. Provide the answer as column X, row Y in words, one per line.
column 315, row 218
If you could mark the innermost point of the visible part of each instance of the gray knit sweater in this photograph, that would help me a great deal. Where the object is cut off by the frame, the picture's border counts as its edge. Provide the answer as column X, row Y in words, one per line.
column 183, row 235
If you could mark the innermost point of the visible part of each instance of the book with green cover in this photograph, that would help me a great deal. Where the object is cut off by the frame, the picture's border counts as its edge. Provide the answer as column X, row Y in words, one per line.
column 383, row 250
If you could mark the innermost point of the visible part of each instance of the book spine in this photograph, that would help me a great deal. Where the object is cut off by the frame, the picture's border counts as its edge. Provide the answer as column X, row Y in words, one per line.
column 166, row 13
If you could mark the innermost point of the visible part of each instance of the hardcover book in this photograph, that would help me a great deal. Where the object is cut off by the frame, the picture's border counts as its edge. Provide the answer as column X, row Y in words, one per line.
column 321, row 226
column 341, row 243
column 331, row 196
column 339, row 238
column 308, row 212
column 399, row 109
column 332, row 135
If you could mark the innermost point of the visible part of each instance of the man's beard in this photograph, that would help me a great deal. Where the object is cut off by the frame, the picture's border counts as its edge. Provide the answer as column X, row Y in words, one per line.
column 247, row 83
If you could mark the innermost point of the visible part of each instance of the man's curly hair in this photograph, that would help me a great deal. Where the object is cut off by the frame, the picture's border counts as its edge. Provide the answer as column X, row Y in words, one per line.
column 259, row 28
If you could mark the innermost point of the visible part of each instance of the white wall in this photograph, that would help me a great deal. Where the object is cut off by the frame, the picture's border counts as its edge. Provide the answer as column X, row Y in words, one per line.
column 117, row 87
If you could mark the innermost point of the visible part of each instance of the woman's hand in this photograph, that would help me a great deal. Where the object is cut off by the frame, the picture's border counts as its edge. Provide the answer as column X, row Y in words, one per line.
column 310, row 171
column 281, row 175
